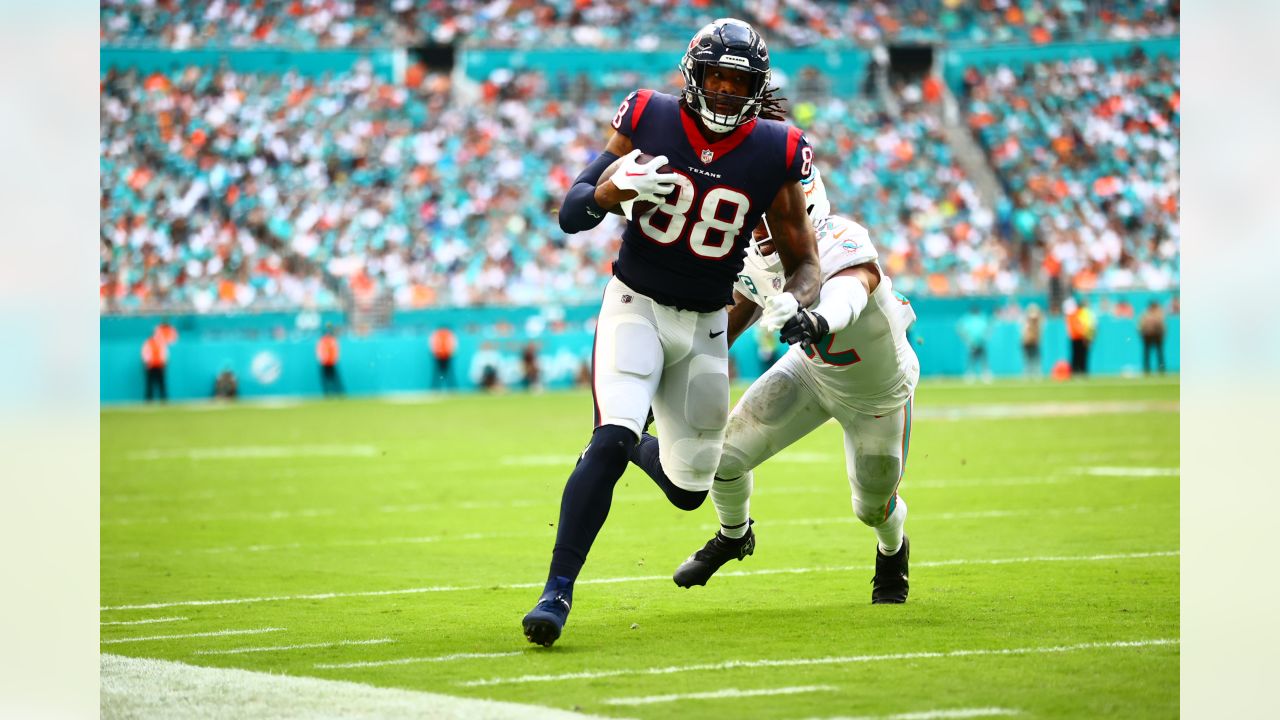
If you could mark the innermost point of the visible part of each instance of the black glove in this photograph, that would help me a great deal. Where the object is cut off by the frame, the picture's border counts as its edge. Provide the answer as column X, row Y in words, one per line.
column 806, row 328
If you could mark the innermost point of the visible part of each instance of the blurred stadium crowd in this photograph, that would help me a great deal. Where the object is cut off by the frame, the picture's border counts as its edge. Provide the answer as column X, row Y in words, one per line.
column 224, row 190
column 607, row 23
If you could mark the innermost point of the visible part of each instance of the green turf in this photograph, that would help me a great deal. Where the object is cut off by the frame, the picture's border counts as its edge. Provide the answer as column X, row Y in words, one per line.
column 463, row 492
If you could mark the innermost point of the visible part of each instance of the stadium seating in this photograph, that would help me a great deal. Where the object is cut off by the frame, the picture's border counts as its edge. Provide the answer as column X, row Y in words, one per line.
column 605, row 23
column 1089, row 153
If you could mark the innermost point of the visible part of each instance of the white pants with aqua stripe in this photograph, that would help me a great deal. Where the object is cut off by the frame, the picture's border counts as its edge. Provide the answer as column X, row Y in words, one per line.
column 784, row 404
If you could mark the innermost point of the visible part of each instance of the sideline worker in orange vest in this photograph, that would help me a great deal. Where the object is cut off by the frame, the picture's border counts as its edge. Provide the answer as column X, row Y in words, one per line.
column 1080, row 330
column 327, row 354
column 155, row 358
column 443, row 345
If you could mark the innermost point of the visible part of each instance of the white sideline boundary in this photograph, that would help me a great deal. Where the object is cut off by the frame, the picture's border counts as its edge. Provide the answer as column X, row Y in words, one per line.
column 796, row 662
column 286, row 648
column 719, row 694
column 183, row 636
column 948, row 714
column 639, row 578
column 144, row 689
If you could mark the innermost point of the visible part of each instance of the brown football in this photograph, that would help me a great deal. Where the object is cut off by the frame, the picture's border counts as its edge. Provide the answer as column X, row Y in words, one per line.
column 641, row 207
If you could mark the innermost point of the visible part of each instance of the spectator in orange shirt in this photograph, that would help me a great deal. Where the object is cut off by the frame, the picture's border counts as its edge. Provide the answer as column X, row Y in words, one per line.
column 327, row 354
column 155, row 358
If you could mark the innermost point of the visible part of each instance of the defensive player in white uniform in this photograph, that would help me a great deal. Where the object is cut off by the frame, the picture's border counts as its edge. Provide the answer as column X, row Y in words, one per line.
column 850, row 360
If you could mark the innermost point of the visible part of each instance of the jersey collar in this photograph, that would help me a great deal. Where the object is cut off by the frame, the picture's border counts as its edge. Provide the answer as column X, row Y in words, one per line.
column 719, row 148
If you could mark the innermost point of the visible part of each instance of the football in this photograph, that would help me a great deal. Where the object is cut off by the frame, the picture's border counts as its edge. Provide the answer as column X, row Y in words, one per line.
column 641, row 207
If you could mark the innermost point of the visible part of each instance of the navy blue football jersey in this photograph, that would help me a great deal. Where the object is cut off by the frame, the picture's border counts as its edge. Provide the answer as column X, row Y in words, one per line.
column 687, row 251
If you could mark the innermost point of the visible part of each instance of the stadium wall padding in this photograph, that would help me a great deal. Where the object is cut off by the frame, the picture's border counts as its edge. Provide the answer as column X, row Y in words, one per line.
column 309, row 63
column 272, row 357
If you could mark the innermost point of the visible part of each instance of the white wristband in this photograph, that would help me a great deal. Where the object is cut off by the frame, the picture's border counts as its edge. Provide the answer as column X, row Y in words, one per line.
column 841, row 300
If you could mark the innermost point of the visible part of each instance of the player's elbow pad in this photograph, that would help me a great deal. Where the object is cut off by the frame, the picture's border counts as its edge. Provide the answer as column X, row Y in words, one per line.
column 579, row 211
column 842, row 300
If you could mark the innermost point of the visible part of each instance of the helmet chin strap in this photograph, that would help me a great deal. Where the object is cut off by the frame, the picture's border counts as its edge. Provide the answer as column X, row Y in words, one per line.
column 708, row 118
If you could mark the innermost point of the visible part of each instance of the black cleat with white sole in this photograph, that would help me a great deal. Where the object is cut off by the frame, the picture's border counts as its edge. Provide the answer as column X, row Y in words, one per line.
column 700, row 566
column 890, row 586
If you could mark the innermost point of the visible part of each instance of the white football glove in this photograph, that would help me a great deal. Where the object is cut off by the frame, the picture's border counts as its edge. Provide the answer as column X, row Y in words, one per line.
column 778, row 309
column 649, row 184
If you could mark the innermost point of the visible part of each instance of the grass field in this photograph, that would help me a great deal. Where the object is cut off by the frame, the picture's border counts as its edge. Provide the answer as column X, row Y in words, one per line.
column 397, row 543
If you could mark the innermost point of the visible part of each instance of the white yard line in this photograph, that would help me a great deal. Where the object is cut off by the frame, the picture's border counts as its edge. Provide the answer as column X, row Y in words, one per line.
column 160, row 689
column 414, row 660
column 719, row 694
column 948, row 714
column 145, row 622
column 609, row 581
column 218, row 633
column 285, row 648
column 1107, row 471
column 369, row 542
column 254, row 452
column 796, row 662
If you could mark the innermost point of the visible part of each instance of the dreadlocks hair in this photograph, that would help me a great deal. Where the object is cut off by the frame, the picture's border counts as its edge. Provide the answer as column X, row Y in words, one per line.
column 773, row 106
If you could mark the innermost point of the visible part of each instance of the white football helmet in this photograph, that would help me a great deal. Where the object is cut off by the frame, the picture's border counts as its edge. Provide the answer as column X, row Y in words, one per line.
column 762, row 264
column 816, row 204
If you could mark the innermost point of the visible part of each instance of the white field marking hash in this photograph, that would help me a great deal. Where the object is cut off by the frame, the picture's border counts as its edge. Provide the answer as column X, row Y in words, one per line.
column 285, row 648
column 414, row 660
column 145, row 622
column 948, row 714
column 161, row 689
column 217, row 633
column 1105, row 471
column 609, row 581
column 795, row 662
column 718, row 694
column 254, row 452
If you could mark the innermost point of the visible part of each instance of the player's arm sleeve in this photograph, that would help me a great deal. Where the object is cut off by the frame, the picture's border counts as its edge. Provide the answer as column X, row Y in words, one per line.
column 580, row 211
column 741, row 315
column 842, row 300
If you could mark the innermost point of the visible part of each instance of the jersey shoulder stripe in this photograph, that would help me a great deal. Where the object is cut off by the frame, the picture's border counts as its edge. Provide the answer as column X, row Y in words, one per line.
column 642, row 99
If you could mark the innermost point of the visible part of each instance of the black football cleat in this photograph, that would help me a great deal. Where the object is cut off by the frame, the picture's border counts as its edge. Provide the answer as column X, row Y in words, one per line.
column 546, row 620
column 890, row 586
column 700, row 566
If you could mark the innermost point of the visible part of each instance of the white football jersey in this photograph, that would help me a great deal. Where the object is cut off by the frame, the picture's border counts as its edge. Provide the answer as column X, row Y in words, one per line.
column 868, row 366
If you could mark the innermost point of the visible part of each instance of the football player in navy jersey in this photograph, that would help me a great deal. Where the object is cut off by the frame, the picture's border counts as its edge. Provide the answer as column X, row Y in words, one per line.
column 660, row 336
